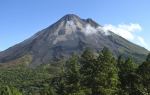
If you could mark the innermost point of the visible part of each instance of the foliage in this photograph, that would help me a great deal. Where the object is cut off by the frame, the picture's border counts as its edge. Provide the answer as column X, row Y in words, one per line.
column 6, row 90
column 144, row 72
column 88, row 74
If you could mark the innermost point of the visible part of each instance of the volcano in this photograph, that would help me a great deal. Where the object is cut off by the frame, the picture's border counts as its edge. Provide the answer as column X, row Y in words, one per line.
column 69, row 35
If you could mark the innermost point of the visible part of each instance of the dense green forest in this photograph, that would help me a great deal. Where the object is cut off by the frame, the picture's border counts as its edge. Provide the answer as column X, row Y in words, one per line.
column 88, row 74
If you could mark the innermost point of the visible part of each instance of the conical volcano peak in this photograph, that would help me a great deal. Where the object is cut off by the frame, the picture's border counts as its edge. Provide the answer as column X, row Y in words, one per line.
column 75, row 19
column 69, row 17
column 70, row 34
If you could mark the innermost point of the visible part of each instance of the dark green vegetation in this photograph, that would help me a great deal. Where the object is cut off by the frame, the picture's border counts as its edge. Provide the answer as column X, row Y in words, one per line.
column 88, row 74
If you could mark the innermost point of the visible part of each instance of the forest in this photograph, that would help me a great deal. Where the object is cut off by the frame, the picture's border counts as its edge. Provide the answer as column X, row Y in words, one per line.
column 87, row 74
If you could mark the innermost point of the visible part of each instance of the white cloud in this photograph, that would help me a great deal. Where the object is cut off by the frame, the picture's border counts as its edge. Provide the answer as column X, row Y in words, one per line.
column 130, row 27
column 128, row 31
column 142, row 42
column 92, row 30
column 103, row 30
column 89, row 30
column 124, row 30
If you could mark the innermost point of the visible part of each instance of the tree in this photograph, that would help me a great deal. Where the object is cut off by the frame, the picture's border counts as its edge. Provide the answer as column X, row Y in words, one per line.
column 59, row 84
column 108, row 73
column 144, row 71
column 99, row 74
column 87, row 71
column 131, row 82
column 148, row 58
column 69, row 81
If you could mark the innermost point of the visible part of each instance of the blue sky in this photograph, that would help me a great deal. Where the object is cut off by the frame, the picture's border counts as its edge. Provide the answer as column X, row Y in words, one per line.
column 20, row 19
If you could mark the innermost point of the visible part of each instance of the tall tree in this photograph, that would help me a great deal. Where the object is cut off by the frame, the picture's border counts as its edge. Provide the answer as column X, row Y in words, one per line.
column 131, row 82
column 99, row 73
column 69, row 82
column 108, row 73
column 87, row 71
column 144, row 71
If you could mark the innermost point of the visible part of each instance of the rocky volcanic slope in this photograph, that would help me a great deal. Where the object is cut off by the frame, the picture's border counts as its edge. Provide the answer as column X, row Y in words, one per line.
column 70, row 34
